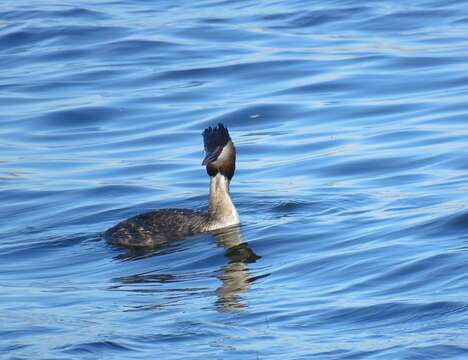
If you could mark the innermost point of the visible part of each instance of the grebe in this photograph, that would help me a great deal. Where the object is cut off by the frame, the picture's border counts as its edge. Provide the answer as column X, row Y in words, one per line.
column 157, row 227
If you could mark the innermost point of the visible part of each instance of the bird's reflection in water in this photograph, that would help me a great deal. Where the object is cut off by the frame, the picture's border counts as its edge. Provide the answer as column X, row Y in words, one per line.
column 234, row 275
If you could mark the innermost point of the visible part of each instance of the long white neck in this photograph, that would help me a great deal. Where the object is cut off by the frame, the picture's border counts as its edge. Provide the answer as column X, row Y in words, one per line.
column 222, row 212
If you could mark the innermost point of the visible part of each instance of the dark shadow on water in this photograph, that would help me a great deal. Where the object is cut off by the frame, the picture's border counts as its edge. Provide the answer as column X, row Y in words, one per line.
column 136, row 253
column 234, row 275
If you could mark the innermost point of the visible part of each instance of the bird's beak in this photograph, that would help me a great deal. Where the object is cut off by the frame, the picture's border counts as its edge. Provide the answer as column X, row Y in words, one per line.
column 212, row 156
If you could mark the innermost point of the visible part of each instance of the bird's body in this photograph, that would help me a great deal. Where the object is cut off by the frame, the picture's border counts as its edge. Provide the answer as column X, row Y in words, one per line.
column 158, row 227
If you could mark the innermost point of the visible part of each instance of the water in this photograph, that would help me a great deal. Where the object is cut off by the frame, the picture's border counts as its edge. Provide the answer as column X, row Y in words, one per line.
column 350, row 120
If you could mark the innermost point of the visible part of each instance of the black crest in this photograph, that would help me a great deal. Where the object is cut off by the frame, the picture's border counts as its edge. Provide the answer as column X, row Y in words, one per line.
column 214, row 137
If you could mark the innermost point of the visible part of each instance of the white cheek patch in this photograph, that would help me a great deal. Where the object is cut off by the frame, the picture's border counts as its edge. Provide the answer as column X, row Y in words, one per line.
column 225, row 154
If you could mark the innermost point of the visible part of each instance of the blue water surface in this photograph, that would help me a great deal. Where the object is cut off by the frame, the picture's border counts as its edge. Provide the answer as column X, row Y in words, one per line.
column 351, row 124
